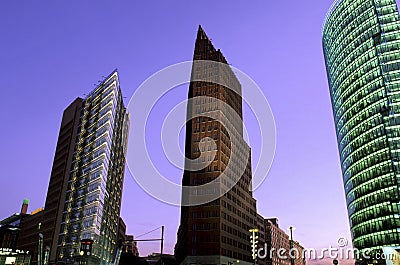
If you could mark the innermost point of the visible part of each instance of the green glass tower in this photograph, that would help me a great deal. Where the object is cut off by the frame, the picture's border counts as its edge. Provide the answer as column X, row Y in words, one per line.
column 361, row 43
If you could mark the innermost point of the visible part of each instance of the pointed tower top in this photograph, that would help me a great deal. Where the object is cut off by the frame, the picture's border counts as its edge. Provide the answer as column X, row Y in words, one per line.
column 204, row 48
column 201, row 34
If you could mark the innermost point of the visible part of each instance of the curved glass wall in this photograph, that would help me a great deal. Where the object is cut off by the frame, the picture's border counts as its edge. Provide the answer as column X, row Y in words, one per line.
column 361, row 42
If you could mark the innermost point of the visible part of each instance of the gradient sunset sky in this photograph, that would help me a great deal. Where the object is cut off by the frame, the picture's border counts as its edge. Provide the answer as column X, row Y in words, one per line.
column 55, row 51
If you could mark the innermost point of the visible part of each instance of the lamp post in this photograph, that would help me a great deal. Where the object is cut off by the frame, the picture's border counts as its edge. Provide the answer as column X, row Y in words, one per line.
column 291, row 228
column 46, row 255
column 162, row 245
column 40, row 250
column 254, row 243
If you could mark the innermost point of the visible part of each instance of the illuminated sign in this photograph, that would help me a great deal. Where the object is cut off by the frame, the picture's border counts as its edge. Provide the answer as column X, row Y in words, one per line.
column 87, row 242
column 9, row 251
column 37, row 211
column 86, row 247
column 10, row 260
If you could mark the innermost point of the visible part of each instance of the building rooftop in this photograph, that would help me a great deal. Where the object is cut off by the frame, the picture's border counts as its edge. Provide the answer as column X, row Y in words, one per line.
column 330, row 11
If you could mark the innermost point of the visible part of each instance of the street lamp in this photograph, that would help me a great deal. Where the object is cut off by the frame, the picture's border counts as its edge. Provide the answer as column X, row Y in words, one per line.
column 254, row 243
column 291, row 228
column 40, row 251
column 46, row 255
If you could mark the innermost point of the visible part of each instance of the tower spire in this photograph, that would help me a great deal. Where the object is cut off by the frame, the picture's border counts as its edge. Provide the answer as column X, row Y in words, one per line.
column 201, row 34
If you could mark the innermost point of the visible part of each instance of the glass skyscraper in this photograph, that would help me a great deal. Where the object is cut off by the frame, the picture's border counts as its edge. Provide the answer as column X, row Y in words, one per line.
column 361, row 43
column 94, row 191
column 81, row 217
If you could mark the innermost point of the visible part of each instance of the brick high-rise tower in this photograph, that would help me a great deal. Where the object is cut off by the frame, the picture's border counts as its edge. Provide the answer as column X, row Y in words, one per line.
column 216, row 232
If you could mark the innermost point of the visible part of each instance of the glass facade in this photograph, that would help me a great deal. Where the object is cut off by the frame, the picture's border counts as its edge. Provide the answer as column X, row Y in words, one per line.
column 93, row 197
column 361, row 43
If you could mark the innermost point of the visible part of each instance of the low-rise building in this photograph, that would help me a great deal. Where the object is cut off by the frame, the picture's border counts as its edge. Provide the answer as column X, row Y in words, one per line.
column 300, row 258
column 10, row 227
column 277, row 242
column 131, row 245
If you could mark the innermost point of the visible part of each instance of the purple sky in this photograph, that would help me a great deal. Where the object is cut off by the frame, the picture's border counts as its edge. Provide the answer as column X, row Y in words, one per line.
column 52, row 52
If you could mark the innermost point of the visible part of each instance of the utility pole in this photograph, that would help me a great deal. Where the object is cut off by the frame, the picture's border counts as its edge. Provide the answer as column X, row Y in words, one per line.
column 152, row 239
